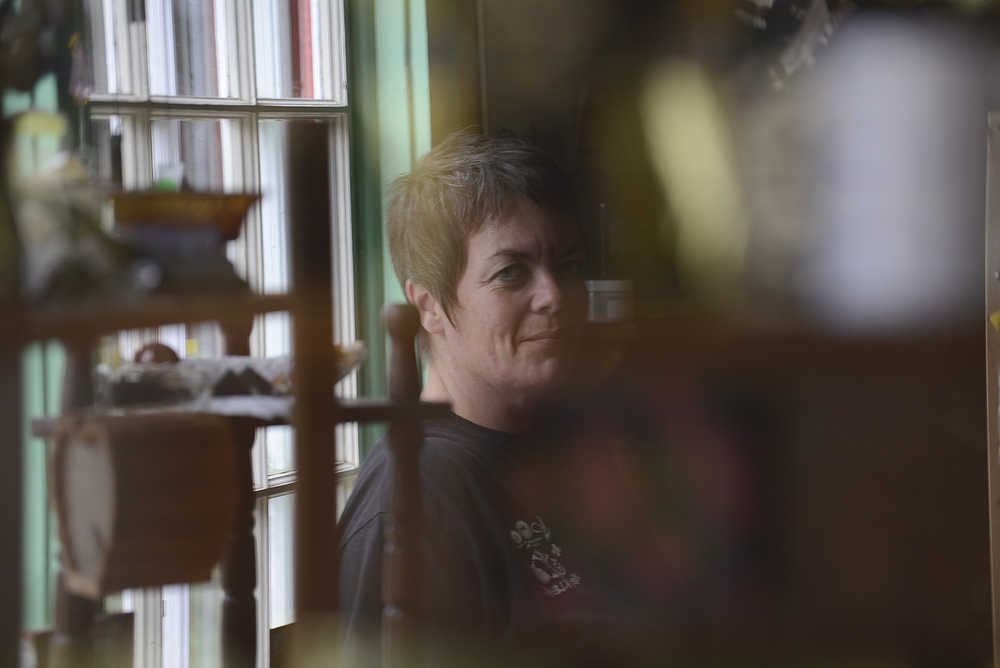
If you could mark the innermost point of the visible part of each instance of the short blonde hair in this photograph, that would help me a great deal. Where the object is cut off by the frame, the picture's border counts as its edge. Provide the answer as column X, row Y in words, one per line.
column 461, row 183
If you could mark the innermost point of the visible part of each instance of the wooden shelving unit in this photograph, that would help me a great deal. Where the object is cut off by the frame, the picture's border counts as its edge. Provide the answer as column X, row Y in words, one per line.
column 313, row 414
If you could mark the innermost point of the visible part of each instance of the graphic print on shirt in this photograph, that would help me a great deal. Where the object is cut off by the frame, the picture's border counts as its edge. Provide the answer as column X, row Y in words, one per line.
column 534, row 539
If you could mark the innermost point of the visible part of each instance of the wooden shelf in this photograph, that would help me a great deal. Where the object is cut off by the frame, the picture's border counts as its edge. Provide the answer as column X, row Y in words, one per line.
column 698, row 341
column 266, row 411
column 90, row 322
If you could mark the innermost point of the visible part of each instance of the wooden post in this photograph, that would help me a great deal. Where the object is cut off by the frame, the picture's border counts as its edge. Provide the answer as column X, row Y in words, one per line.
column 315, row 411
column 402, row 568
column 993, row 362
column 11, row 499
column 239, row 564
column 11, row 502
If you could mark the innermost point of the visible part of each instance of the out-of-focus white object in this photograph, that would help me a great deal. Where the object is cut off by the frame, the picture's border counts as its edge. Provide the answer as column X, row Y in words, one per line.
column 898, row 195
column 864, row 177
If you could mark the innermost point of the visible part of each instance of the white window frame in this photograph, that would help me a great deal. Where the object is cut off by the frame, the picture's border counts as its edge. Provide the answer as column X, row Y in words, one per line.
column 157, row 609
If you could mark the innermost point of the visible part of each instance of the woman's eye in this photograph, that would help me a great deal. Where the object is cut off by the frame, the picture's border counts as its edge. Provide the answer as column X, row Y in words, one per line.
column 510, row 274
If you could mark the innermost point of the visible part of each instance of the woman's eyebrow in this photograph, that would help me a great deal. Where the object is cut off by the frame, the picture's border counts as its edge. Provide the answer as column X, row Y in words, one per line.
column 519, row 254
column 510, row 253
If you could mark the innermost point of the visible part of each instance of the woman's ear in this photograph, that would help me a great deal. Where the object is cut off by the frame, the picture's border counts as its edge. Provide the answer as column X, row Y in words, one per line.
column 431, row 314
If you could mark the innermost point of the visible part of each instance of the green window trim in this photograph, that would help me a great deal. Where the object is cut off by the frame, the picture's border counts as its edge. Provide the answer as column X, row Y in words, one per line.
column 390, row 129
column 41, row 373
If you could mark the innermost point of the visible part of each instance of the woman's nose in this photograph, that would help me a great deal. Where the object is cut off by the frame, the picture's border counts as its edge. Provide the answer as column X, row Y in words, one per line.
column 548, row 293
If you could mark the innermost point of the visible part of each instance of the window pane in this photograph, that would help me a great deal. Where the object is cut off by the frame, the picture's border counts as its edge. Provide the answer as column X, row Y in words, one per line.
column 206, row 153
column 192, row 48
column 176, row 622
column 106, row 147
column 206, row 622
column 299, row 49
column 273, row 138
column 280, row 450
column 112, row 34
column 346, row 437
column 281, row 559
column 273, row 274
column 115, row 143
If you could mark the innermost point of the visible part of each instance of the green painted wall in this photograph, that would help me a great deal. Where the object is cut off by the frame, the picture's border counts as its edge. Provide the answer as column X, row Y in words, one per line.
column 390, row 120
column 420, row 77
column 41, row 371
column 366, row 199
column 41, row 367
column 403, row 100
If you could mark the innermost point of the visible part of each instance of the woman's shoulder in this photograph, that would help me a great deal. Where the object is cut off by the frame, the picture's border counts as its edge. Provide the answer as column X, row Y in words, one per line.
column 458, row 460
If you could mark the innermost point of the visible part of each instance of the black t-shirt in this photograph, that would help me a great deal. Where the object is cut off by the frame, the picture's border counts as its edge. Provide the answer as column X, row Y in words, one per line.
column 496, row 568
column 623, row 518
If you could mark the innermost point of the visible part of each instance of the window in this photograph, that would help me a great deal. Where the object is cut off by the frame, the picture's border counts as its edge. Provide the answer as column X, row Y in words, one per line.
column 202, row 90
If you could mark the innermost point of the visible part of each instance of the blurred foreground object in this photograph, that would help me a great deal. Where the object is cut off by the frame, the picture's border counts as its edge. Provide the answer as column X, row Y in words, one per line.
column 195, row 381
column 864, row 180
column 691, row 151
column 162, row 243
column 30, row 43
column 65, row 252
column 223, row 212
column 793, row 32
column 184, row 233
column 820, row 160
column 116, row 478
column 899, row 202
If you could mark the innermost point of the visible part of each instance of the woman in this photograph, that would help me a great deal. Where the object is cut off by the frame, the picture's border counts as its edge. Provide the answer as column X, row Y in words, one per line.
column 484, row 243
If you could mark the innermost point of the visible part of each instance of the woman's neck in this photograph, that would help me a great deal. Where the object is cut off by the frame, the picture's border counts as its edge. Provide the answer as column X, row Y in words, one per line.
column 475, row 404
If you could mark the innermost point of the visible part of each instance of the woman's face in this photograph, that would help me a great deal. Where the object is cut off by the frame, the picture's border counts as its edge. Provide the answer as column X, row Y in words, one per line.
column 520, row 304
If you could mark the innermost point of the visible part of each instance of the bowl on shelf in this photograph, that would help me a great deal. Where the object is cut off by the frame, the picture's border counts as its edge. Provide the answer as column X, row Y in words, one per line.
column 224, row 211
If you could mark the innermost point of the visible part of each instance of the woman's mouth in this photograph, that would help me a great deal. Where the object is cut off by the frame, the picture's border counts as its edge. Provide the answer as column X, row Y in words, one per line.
column 546, row 335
